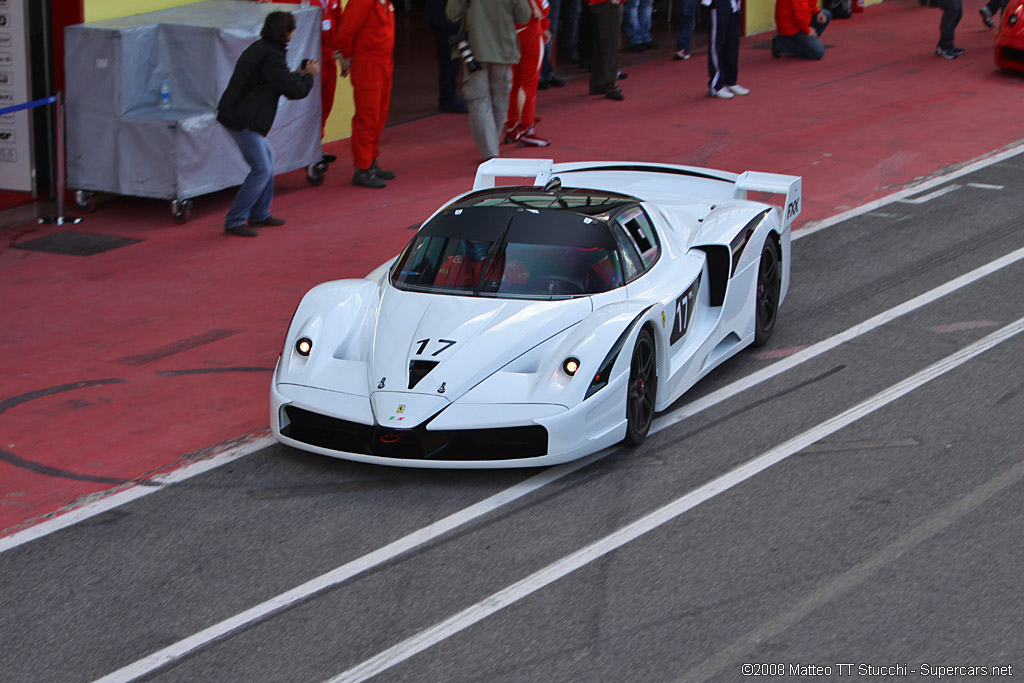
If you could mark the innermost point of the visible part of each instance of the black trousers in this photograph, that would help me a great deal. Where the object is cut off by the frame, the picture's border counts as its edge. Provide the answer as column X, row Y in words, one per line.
column 952, row 11
column 607, row 39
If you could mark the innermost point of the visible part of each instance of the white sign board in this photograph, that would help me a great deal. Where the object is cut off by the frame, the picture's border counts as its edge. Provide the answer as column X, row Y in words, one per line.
column 17, row 169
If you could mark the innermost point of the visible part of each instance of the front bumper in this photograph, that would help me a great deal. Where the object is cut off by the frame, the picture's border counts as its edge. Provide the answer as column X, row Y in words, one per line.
column 464, row 436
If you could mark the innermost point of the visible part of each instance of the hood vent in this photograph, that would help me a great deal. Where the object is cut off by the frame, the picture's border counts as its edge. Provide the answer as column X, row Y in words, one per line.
column 418, row 369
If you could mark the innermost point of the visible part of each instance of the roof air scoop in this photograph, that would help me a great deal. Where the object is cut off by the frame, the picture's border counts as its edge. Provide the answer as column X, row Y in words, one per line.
column 418, row 369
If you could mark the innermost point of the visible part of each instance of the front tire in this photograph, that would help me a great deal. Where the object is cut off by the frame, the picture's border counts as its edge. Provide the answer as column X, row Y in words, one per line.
column 641, row 390
column 769, row 287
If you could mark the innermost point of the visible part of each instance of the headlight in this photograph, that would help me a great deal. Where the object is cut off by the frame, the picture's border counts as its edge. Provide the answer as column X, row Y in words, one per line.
column 570, row 365
column 303, row 346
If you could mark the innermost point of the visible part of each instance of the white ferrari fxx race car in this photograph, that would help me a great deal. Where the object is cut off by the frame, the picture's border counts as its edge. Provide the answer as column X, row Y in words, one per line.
column 529, row 325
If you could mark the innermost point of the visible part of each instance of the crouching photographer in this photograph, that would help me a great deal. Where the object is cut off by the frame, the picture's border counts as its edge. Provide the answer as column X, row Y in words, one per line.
column 488, row 35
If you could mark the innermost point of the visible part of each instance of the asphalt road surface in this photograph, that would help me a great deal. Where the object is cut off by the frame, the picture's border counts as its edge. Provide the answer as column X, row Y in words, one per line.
column 843, row 504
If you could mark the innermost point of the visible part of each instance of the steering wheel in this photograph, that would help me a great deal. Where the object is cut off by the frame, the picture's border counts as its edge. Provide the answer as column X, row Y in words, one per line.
column 554, row 285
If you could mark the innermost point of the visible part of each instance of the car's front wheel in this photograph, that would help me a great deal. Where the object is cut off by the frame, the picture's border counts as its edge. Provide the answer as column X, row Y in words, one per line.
column 769, row 286
column 642, row 389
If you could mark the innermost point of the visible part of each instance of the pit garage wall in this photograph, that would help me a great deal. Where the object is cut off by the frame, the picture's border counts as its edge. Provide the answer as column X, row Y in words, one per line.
column 338, row 126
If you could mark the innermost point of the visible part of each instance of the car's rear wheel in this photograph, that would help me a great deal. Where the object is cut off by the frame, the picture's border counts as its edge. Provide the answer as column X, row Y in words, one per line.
column 642, row 389
column 769, row 286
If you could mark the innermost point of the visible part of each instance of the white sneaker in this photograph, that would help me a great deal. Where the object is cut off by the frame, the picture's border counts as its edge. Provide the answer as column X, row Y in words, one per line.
column 738, row 89
column 721, row 93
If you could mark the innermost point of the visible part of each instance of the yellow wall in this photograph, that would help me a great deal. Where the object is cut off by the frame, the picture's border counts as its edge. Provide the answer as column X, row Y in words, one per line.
column 339, row 125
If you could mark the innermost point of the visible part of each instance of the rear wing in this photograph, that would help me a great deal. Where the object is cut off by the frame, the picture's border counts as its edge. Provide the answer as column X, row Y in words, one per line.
column 541, row 170
column 537, row 169
column 774, row 183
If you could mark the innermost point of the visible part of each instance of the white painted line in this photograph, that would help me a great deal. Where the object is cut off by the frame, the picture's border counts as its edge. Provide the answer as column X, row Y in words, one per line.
column 570, row 563
column 966, row 169
column 345, row 572
column 983, row 186
column 113, row 500
column 109, row 501
column 427, row 534
column 931, row 195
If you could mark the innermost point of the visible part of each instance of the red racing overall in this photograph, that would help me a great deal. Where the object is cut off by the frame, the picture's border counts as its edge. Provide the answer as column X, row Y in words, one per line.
column 366, row 35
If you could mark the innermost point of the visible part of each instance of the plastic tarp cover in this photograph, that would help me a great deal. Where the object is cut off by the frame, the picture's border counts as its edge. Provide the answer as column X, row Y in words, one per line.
column 118, row 137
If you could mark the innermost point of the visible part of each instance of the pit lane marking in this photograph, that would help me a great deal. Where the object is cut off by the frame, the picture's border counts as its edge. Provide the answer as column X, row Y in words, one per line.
column 598, row 549
column 225, row 628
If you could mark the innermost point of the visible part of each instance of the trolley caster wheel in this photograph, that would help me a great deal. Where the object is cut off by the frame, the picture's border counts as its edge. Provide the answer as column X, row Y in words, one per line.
column 182, row 210
column 315, row 173
column 84, row 200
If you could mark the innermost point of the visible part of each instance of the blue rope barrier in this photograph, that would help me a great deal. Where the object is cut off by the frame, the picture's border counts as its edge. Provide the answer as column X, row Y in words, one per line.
column 28, row 105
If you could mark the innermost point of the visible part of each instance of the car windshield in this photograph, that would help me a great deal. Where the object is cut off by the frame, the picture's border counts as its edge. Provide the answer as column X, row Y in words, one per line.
column 512, row 252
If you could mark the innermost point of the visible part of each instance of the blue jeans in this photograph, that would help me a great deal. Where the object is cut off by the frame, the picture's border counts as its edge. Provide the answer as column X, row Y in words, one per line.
column 802, row 45
column 547, row 71
column 636, row 21
column 257, row 191
column 684, row 41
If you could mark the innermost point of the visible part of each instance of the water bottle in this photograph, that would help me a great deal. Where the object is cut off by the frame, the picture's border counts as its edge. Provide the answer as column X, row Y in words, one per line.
column 165, row 95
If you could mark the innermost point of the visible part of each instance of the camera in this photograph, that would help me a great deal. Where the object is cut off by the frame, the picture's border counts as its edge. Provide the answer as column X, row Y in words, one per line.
column 460, row 43
column 303, row 64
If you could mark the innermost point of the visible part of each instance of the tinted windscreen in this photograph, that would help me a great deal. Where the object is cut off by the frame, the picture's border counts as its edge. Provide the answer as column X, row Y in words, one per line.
column 510, row 252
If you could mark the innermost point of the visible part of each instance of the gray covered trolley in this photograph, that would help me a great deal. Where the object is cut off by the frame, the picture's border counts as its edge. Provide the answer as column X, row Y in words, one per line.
column 141, row 102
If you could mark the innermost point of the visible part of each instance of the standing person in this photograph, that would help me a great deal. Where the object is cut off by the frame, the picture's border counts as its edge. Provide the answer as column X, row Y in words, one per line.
column 447, row 66
column 684, row 41
column 519, row 125
column 330, row 15
column 548, row 79
column 606, row 18
column 366, row 41
column 800, row 25
column 491, row 29
column 724, row 50
column 636, row 23
column 952, row 11
column 247, row 109
column 989, row 11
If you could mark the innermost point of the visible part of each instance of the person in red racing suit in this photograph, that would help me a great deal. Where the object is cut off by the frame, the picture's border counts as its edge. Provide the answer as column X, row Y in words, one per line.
column 522, row 103
column 366, row 40
column 330, row 15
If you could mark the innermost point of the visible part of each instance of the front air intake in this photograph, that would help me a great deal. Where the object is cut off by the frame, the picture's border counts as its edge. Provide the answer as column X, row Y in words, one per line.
column 418, row 369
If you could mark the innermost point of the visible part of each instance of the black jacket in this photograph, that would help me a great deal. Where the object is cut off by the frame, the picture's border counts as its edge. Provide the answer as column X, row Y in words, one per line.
column 261, row 76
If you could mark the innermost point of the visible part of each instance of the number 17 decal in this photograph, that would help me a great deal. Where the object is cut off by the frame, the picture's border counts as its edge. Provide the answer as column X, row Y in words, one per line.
column 445, row 345
column 684, row 311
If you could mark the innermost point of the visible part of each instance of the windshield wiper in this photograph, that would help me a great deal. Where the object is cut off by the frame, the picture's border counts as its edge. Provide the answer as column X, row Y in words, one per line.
column 496, row 247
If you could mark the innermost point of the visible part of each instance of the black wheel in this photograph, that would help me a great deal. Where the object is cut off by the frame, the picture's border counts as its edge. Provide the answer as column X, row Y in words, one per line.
column 769, row 286
column 84, row 200
column 315, row 173
column 642, row 389
column 182, row 210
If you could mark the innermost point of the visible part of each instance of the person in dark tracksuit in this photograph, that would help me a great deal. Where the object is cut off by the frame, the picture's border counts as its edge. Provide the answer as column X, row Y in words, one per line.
column 952, row 12
column 248, row 108
column 724, row 49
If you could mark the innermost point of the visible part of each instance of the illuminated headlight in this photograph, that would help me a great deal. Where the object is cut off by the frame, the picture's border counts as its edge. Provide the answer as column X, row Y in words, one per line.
column 571, row 365
column 304, row 346
column 1012, row 20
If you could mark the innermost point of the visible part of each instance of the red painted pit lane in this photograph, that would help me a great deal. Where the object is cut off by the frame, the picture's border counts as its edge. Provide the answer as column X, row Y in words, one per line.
column 126, row 363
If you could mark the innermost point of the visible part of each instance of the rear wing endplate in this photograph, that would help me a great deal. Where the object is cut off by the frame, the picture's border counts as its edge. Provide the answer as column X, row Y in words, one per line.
column 538, row 170
column 774, row 183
